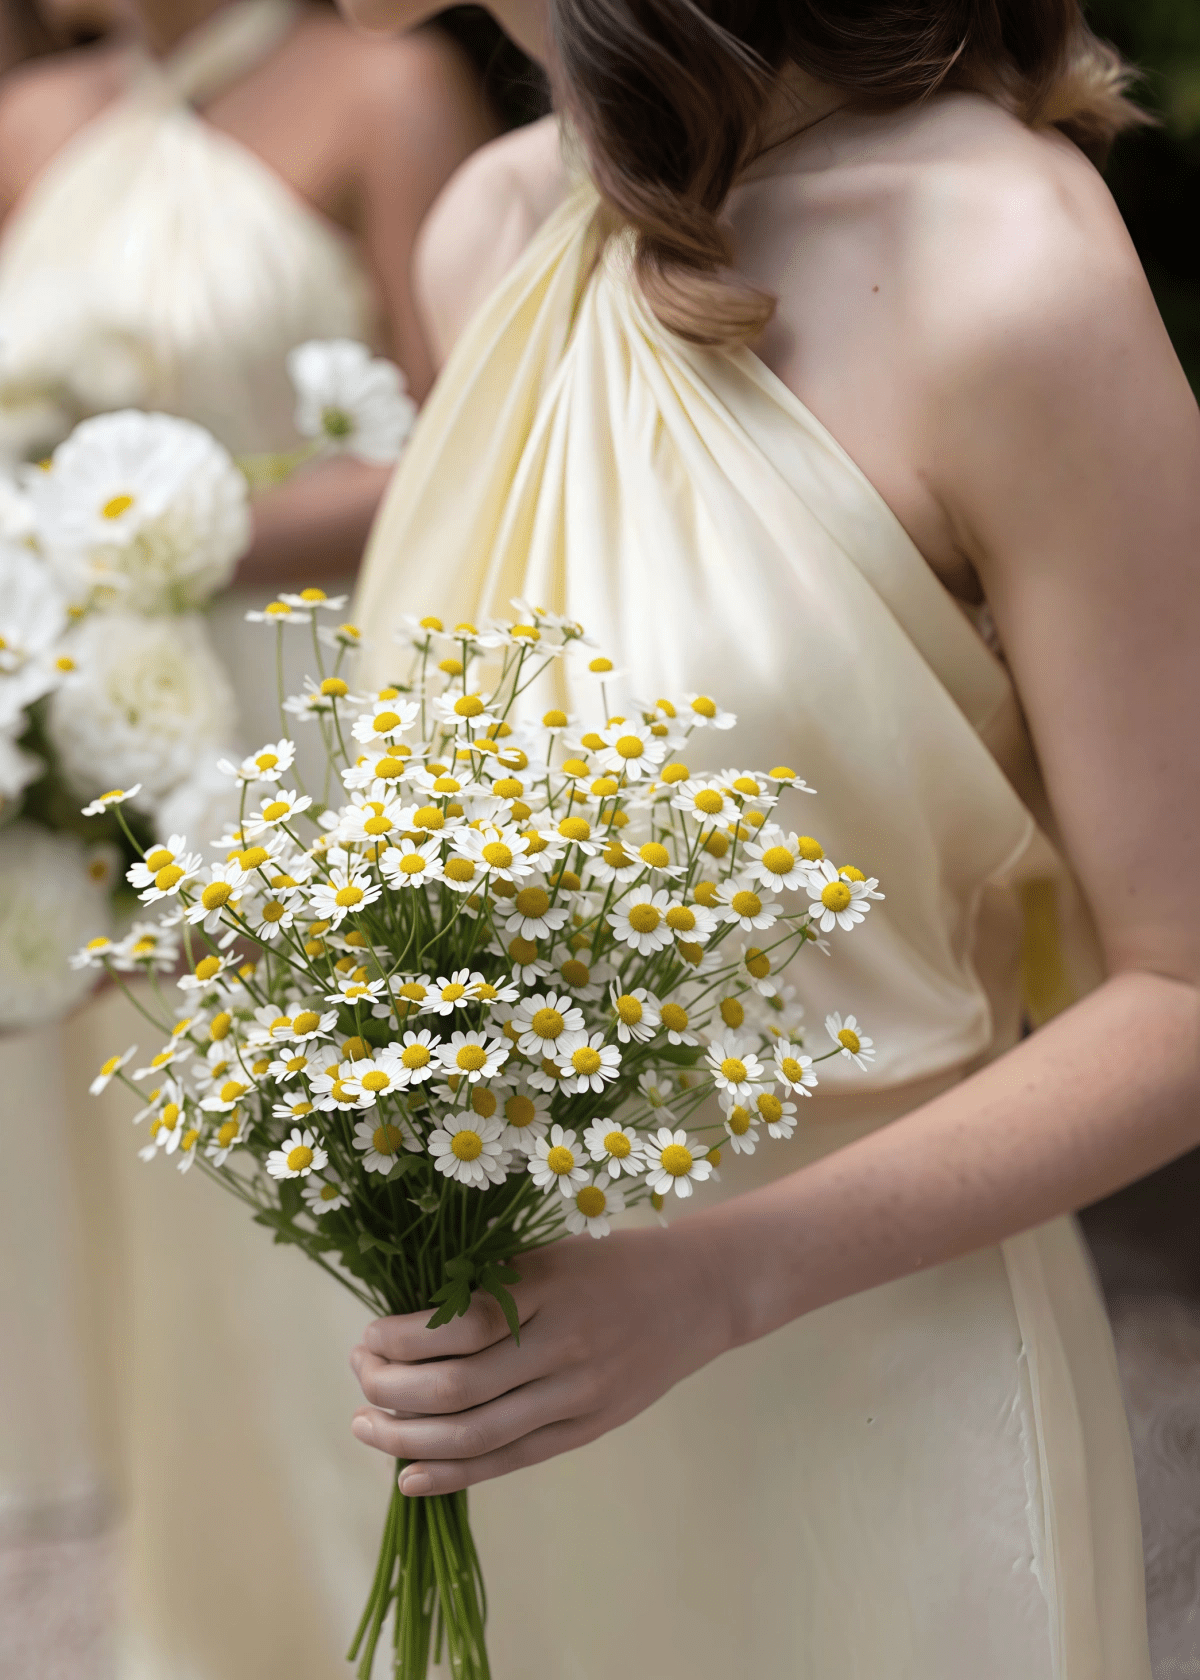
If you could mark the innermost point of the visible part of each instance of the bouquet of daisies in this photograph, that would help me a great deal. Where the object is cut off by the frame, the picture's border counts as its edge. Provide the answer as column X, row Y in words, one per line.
column 477, row 993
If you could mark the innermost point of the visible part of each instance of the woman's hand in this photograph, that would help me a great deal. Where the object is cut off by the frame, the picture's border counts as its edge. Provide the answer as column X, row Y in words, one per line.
column 606, row 1327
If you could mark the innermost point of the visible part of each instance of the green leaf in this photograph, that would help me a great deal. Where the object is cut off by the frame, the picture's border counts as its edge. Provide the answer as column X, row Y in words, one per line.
column 493, row 1278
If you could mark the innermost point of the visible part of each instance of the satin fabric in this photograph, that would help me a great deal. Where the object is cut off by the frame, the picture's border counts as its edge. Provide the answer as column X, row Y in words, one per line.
column 933, row 1477
column 165, row 1367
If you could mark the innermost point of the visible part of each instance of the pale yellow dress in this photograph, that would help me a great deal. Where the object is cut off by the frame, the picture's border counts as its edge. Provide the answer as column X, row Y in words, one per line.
column 162, row 1366
column 932, row 1479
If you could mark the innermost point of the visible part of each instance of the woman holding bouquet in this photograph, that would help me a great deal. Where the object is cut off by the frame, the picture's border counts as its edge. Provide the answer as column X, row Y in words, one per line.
column 822, row 376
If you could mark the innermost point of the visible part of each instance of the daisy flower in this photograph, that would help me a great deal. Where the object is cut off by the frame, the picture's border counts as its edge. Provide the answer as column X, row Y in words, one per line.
column 692, row 923
column 268, row 764
column 408, row 998
column 112, row 1067
column 553, row 1162
column 222, row 891
column 735, row 1069
column 532, row 916
column 740, row 904
column 345, row 889
column 270, row 917
column 457, row 992
column 296, row 1109
column 702, row 712
column 279, row 612
column 313, row 597
column 836, row 902
column 586, row 1062
column 226, row 1138
column 618, row 1147
column 793, row 1068
column 675, row 1162
column 675, row 1022
column 163, row 870
column 379, row 1142
column 739, row 1124
column 501, row 853
column 542, row 1020
column 637, row 1014
column 115, row 796
column 349, row 401
column 418, row 1056
column 641, row 922
column 307, row 1024
column 464, row 712
column 778, row 1116
column 376, row 1076
column 473, row 1055
column 757, row 965
column 285, row 806
column 385, row 720
column 494, row 993
column 850, row 1040
column 591, row 1206
column 782, row 861
column 708, row 802
column 470, row 1150
column 630, row 751
column 298, row 1155
column 323, row 1196
column 616, row 864
column 574, row 831
column 526, row 1117
column 412, row 864
column 655, row 1092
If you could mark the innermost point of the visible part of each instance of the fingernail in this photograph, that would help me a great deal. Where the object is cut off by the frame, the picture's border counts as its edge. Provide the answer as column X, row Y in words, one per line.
column 415, row 1482
column 363, row 1429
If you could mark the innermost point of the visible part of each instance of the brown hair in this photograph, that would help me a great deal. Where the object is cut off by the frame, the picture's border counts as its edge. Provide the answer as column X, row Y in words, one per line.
column 668, row 98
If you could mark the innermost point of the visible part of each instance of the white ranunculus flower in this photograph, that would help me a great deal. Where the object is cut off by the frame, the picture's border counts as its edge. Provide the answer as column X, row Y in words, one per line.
column 17, row 767
column 33, row 617
column 146, row 507
column 17, row 521
column 50, row 903
column 148, row 700
column 351, row 401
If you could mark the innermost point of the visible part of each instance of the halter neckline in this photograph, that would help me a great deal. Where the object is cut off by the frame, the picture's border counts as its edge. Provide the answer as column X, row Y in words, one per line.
column 217, row 53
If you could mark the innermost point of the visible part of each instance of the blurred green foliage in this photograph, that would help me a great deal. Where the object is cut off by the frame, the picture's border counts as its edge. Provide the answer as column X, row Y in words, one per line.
column 1155, row 172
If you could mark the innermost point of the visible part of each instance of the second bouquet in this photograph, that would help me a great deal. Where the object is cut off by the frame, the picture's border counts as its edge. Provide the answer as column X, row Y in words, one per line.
column 480, row 999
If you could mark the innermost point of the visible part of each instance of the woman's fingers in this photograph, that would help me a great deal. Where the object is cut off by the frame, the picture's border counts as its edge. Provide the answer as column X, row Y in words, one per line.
column 451, row 1385
column 405, row 1337
column 431, row 1476
column 479, row 1432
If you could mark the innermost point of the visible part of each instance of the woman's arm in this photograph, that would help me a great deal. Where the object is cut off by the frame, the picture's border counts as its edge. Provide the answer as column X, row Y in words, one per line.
column 1067, row 451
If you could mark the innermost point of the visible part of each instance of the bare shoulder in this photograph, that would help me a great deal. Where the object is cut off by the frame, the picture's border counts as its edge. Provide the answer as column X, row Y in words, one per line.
column 45, row 103
column 482, row 222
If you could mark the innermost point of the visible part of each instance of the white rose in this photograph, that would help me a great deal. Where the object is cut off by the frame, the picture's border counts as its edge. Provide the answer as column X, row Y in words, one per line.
column 350, row 401
column 147, row 700
column 144, row 507
column 50, row 904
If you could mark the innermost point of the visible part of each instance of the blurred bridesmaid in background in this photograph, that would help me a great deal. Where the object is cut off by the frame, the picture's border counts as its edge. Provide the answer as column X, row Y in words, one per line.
column 182, row 201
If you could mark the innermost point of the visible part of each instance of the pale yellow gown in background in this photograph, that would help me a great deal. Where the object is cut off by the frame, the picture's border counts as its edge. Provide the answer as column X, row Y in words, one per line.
column 162, row 1364
column 931, row 1479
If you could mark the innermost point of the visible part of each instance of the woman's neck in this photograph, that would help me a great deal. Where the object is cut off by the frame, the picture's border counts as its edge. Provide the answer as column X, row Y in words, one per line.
column 162, row 24
column 798, row 102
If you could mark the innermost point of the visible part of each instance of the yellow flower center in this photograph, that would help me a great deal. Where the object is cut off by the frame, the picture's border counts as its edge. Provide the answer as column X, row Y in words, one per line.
column 587, row 1061
column 459, row 869
column 769, row 1107
column 328, row 1193
column 618, row 1145
column 273, row 911
column 547, row 1023
column 452, row 992
column 385, row 722
column 497, row 854
column 334, row 688
column 836, row 895
column 849, row 1040
column 115, row 506
column 386, row 1139
column 232, row 1090
column 468, row 706
column 849, row 873
column 306, row 1022
column 483, row 1102
column 560, row 1160
column 275, row 809
column 170, row 1115
column 656, row 856
column 110, row 1067
column 520, row 1112
column 709, row 800
column 810, row 850
column 675, row 772
column 555, row 720
column 746, row 903
column 575, row 973
column 732, row 1012
column 389, row 768
column 792, row 1070
column 158, row 859
column 227, row 1133
column 629, row 1009
column 452, row 666
column 575, row 828
column 376, row 1080
column 533, row 902
column 216, row 894
column 674, row 1017
column 705, row 892
column 644, row 918
column 630, row 746
column 676, row 1160
column 680, row 919
column 778, row 860
column 341, row 1092
column 739, row 1120
column 591, row 1201
column 301, row 1108
column 471, row 1058
column 733, row 1068
column 220, row 1026
column 377, row 825
column 415, row 1056
column 348, row 896
column 522, row 950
